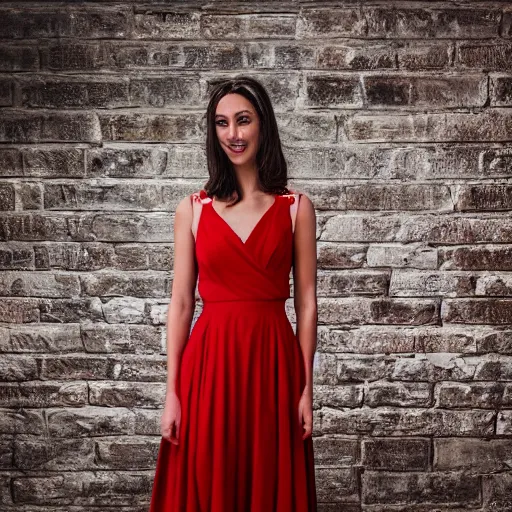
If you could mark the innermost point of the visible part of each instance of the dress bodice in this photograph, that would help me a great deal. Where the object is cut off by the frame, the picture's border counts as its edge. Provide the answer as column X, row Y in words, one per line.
column 255, row 269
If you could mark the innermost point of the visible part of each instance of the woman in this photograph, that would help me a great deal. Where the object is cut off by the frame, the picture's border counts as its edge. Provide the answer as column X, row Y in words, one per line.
column 238, row 415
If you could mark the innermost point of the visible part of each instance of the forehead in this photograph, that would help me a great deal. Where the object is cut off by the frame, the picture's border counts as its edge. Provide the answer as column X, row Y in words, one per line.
column 233, row 104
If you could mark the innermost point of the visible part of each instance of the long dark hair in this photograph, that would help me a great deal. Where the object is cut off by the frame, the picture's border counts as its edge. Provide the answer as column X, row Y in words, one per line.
column 272, row 168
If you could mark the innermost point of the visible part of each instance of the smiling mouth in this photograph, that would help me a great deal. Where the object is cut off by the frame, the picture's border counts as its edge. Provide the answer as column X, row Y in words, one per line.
column 237, row 148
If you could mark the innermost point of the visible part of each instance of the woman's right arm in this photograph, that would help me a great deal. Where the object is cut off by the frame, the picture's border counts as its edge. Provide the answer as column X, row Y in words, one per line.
column 181, row 308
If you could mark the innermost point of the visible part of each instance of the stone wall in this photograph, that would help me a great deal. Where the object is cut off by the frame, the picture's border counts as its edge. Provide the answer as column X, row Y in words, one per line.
column 395, row 119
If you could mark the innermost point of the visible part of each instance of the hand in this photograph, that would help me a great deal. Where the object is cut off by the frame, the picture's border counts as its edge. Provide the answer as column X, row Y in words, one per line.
column 306, row 412
column 171, row 419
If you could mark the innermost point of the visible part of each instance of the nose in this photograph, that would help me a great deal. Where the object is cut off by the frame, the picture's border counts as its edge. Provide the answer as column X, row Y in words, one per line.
column 233, row 131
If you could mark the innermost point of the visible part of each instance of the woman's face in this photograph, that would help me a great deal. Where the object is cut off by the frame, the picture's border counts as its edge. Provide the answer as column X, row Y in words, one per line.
column 238, row 128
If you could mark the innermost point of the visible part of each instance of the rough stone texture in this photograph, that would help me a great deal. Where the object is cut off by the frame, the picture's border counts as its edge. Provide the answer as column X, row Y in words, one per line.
column 395, row 119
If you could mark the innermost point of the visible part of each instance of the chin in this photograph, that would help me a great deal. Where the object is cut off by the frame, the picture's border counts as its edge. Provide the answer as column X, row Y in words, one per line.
column 241, row 161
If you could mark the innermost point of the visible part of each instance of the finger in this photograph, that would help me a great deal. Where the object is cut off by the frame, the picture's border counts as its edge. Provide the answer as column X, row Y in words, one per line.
column 167, row 431
column 175, row 436
column 172, row 437
column 307, row 433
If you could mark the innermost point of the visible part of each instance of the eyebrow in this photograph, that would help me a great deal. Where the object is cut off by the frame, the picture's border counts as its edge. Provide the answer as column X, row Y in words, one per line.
column 236, row 113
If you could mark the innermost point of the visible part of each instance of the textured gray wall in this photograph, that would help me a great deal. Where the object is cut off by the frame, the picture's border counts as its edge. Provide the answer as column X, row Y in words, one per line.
column 395, row 119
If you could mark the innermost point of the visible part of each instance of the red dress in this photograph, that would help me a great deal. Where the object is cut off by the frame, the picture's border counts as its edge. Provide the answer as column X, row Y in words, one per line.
column 240, row 380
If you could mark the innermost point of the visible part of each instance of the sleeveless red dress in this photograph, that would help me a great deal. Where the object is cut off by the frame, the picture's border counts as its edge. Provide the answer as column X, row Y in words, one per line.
column 240, row 380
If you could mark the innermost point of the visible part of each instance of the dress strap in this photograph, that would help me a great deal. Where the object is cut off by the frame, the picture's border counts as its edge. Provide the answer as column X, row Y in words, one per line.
column 293, row 198
column 198, row 199
column 293, row 209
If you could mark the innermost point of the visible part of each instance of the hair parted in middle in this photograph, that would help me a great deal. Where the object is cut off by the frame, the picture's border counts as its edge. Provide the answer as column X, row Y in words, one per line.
column 272, row 167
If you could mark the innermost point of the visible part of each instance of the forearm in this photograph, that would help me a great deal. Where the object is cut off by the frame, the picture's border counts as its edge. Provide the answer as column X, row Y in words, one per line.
column 179, row 319
column 307, row 319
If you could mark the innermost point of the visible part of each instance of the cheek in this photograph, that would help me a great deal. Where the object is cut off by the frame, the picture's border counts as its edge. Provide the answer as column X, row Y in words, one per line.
column 254, row 135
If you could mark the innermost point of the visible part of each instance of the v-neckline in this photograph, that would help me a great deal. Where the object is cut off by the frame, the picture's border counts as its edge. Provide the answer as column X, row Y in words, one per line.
column 260, row 220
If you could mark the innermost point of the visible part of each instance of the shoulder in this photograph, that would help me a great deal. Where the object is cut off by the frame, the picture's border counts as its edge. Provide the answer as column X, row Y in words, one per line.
column 187, row 202
column 300, row 199
column 305, row 210
column 305, row 204
column 185, row 207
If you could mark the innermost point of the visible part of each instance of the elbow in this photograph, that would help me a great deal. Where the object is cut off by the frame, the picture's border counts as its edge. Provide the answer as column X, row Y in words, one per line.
column 183, row 304
column 307, row 308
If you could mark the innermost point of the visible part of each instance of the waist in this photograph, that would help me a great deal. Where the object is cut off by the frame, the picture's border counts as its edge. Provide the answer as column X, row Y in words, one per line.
column 241, row 304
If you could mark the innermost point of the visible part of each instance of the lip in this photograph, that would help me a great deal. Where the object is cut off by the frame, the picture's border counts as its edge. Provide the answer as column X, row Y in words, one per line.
column 237, row 151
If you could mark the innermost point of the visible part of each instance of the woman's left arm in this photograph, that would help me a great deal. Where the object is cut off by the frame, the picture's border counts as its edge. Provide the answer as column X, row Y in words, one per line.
column 305, row 284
